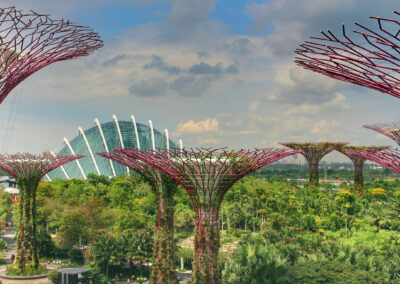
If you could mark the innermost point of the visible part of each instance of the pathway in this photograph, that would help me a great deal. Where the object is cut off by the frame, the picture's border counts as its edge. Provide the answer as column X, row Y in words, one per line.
column 8, row 237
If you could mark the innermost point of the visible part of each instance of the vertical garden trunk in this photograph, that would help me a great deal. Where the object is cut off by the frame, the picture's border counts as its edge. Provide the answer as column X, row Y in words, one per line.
column 313, row 175
column 206, row 247
column 21, row 227
column 33, row 225
column 27, row 250
column 163, row 268
column 358, row 179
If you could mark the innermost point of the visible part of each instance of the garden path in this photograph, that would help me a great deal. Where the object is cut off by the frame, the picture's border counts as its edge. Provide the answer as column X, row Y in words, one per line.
column 8, row 237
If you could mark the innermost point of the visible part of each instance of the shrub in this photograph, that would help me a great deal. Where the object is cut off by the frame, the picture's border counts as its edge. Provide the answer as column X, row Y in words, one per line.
column 76, row 255
column 254, row 264
column 54, row 276
column 28, row 271
column 327, row 272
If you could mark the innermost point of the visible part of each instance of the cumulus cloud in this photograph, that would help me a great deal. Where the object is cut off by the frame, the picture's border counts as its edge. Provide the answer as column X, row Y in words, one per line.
column 204, row 68
column 323, row 127
column 190, row 86
column 149, row 88
column 157, row 62
column 207, row 125
column 114, row 61
column 338, row 103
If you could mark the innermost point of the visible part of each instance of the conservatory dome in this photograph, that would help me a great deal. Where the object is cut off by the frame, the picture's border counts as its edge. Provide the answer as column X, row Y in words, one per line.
column 105, row 137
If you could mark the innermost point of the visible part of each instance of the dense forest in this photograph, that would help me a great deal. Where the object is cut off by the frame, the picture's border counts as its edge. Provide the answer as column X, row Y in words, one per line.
column 272, row 230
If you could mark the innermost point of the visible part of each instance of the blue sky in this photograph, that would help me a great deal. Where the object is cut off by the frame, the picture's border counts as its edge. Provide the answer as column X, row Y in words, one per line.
column 215, row 73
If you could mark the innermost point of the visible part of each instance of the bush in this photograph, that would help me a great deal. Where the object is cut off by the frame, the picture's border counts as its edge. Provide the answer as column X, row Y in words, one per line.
column 76, row 255
column 54, row 276
column 3, row 245
column 28, row 271
column 327, row 272
column 254, row 264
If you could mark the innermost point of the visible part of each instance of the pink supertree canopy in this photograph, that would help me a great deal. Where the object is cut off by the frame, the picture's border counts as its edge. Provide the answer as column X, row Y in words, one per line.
column 31, row 41
column 370, row 56
column 207, row 174
column 32, row 167
column 148, row 172
column 391, row 130
column 211, row 171
column 389, row 158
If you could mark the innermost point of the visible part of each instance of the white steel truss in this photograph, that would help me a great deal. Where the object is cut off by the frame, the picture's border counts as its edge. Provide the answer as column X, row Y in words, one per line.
column 62, row 167
column 136, row 132
column 82, row 133
column 119, row 135
column 73, row 153
column 96, row 121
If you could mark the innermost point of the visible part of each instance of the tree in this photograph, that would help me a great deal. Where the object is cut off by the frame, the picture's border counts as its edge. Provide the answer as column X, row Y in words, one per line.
column 138, row 245
column 105, row 251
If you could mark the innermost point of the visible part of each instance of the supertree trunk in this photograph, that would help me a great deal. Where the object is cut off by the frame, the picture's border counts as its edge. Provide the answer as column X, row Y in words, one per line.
column 21, row 228
column 163, row 268
column 27, row 249
column 206, row 247
column 358, row 179
column 313, row 178
column 33, row 225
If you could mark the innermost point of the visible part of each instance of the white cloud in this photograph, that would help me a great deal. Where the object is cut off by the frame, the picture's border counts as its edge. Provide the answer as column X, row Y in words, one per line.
column 207, row 125
column 324, row 128
column 338, row 103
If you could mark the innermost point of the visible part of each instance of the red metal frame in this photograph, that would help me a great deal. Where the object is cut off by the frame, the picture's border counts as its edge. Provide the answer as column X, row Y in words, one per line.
column 370, row 57
column 30, row 41
column 26, row 165
column 391, row 130
column 389, row 158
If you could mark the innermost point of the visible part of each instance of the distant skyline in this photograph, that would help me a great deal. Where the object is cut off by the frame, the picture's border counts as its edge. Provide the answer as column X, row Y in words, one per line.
column 214, row 73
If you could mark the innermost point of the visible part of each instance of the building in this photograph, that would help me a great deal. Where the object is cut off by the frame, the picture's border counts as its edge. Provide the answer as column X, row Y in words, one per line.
column 105, row 137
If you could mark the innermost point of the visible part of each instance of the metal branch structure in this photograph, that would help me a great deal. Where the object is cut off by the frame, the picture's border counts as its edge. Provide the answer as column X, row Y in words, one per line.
column 389, row 158
column 369, row 57
column 28, row 170
column 358, row 162
column 207, row 174
column 391, row 130
column 314, row 152
column 164, row 188
column 30, row 41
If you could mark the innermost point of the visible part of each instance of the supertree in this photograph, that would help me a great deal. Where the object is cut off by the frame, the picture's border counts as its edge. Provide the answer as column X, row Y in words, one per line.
column 389, row 158
column 164, row 188
column 28, row 169
column 314, row 152
column 207, row 174
column 391, row 130
column 31, row 41
column 358, row 162
column 370, row 57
